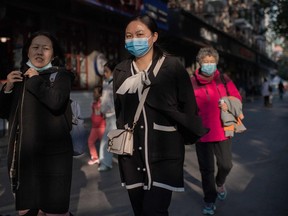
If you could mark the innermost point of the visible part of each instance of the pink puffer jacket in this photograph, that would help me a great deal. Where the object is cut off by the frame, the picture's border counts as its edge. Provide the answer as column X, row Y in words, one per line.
column 208, row 93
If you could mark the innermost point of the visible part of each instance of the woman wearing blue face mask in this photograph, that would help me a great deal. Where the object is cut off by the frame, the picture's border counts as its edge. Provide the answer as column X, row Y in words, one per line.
column 209, row 87
column 167, row 121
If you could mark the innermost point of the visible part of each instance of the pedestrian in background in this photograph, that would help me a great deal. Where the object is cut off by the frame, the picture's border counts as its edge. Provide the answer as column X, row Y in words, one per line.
column 108, row 110
column 40, row 149
column 78, row 132
column 168, row 119
column 97, row 127
column 209, row 88
column 267, row 93
column 281, row 89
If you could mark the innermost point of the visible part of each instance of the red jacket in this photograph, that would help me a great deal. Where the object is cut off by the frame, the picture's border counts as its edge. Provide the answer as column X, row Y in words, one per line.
column 97, row 118
column 208, row 92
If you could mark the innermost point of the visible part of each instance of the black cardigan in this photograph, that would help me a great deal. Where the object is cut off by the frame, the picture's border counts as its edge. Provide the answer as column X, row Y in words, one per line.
column 39, row 132
column 168, row 122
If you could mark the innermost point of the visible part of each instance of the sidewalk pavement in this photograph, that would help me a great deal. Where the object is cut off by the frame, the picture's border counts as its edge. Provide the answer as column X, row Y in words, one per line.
column 256, row 186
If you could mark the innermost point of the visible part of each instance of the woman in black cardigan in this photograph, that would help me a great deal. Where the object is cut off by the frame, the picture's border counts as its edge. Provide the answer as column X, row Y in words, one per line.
column 168, row 119
column 40, row 148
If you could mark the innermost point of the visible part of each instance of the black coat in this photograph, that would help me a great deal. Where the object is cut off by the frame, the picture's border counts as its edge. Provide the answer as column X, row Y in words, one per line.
column 39, row 131
column 169, row 121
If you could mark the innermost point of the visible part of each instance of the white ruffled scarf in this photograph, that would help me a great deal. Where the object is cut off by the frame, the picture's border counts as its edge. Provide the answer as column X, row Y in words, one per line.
column 136, row 81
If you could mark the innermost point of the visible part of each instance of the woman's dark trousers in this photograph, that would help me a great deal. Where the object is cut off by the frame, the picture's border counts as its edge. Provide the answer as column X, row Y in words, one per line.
column 205, row 154
column 153, row 202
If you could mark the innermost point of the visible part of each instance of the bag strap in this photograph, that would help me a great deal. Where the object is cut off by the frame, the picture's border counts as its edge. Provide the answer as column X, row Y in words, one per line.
column 224, row 82
column 145, row 92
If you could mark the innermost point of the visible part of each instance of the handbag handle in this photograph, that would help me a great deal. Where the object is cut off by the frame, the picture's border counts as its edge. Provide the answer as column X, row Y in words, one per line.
column 145, row 92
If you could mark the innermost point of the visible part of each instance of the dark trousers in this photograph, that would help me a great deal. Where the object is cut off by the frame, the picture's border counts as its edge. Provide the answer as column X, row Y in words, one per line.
column 205, row 154
column 266, row 101
column 154, row 202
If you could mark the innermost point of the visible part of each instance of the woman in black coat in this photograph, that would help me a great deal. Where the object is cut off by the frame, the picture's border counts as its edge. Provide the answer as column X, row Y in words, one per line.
column 40, row 148
column 168, row 120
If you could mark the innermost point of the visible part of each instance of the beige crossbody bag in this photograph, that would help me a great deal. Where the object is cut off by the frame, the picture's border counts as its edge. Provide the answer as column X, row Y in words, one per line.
column 120, row 141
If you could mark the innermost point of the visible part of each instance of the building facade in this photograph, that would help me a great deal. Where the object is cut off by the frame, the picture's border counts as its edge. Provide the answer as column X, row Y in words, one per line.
column 92, row 31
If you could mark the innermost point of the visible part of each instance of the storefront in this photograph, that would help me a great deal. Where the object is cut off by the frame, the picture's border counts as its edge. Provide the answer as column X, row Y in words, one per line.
column 243, row 64
column 92, row 31
column 84, row 32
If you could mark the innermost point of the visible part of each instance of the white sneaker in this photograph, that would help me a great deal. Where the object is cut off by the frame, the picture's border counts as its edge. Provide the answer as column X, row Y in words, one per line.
column 93, row 161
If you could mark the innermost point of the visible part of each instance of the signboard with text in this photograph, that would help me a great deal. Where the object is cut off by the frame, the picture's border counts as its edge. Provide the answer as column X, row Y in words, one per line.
column 158, row 10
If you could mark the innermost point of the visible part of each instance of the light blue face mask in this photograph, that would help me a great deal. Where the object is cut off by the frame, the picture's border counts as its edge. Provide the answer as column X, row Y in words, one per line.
column 208, row 68
column 29, row 63
column 137, row 46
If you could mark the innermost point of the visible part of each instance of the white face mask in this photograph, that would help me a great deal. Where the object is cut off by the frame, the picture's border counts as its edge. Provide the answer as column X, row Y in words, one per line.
column 29, row 63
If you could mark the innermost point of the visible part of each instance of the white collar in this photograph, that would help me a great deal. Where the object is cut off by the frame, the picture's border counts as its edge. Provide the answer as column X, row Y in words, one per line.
column 137, row 69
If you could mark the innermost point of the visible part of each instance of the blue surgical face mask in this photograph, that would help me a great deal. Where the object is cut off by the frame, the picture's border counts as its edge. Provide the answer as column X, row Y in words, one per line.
column 208, row 68
column 137, row 46
column 29, row 63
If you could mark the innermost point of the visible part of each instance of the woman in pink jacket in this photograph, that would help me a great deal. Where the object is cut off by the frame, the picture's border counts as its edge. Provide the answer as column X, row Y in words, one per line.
column 209, row 87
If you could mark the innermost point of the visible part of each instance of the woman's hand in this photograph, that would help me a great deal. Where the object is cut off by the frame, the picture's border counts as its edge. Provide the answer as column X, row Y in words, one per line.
column 223, row 106
column 12, row 77
column 31, row 72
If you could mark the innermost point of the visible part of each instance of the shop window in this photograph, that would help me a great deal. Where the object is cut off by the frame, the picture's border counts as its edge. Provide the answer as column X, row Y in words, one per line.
column 77, row 64
column 15, row 26
column 73, row 38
